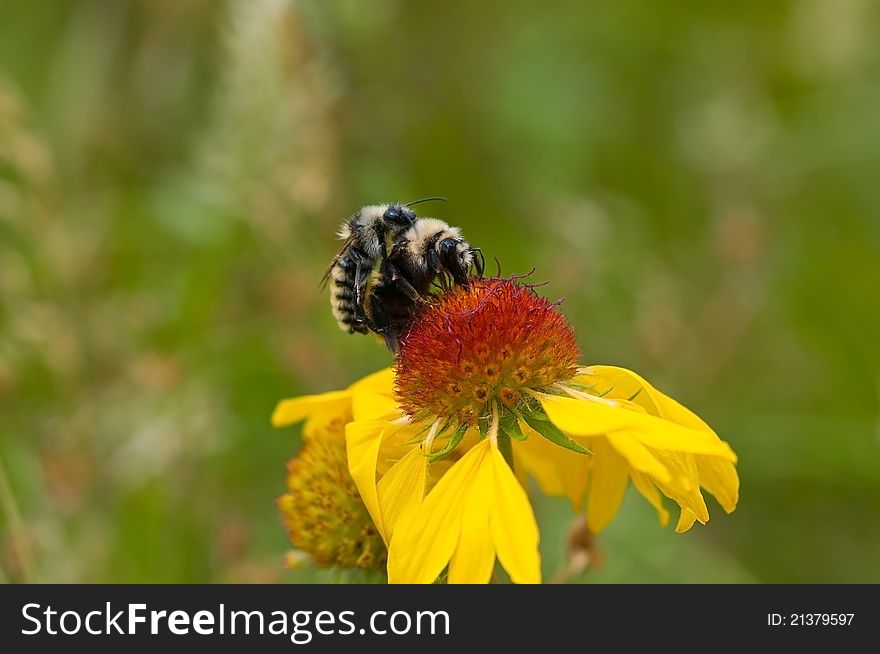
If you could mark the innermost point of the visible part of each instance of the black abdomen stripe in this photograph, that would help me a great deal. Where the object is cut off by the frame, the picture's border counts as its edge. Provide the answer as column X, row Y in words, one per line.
column 343, row 294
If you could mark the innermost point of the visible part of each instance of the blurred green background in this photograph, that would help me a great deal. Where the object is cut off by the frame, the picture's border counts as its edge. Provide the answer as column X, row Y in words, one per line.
column 700, row 181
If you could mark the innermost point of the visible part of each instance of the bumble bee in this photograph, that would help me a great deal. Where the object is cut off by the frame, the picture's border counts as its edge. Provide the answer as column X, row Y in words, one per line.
column 429, row 252
column 367, row 236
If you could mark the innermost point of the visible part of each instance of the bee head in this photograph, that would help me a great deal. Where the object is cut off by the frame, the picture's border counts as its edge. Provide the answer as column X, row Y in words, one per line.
column 399, row 216
column 455, row 259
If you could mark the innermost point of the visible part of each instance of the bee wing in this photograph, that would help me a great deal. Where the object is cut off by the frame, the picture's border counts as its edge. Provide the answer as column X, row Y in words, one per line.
column 345, row 245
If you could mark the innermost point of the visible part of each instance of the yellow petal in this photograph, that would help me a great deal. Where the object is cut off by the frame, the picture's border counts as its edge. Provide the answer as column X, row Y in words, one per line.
column 583, row 417
column 689, row 467
column 683, row 439
column 327, row 428
column 513, row 525
column 402, row 489
column 424, row 543
column 537, row 457
column 649, row 491
column 519, row 469
column 685, row 485
column 611, row 382
column 627, row 383
column 397, row 441
column 558, row 471
column 685, row 521
column 609, row 478
column 719, row 478
column 295, row 409
column 639, row 457
column 379, row 382
column 370, row 405
column 363, row 440
column 474, row 556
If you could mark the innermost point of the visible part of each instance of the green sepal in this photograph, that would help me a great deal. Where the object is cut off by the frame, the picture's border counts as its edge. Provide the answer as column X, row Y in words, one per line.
column 539, row 421
column 483, row 425
column 505, row 446
column 509, row 424
column 454, row 440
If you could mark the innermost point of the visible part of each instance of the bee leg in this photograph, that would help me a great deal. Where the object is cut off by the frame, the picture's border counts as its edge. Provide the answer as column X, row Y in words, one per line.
column 362, row 269
column 403, row 284
column 392, row 343
column 380, row 323
column 434, row 262
column 383, row 326
column 376, row 322
column 480, row 262
column 409, row 291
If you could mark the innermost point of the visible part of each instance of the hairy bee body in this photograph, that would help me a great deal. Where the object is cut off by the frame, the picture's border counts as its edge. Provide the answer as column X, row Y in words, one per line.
column 342, row 298
column 430, row 252
column 367, row 236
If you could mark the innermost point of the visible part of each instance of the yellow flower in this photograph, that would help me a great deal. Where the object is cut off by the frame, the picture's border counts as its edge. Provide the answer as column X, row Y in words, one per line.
column 487, row 383
column 639, row 434
column 329, row 413
column 323, row 511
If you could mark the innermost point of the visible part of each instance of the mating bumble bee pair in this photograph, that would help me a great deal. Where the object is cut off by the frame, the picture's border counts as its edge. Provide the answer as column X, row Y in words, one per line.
column 387, row 265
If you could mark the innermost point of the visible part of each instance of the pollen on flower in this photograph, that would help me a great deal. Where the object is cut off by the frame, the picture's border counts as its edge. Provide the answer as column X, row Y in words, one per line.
column 479, row 344
column 323, row 511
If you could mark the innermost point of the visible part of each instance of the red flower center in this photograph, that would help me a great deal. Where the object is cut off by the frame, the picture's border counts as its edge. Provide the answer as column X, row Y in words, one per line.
column 480, row 344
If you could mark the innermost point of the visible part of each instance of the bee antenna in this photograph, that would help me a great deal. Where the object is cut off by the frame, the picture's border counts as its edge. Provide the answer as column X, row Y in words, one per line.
column 430, row 199
column 497, row 265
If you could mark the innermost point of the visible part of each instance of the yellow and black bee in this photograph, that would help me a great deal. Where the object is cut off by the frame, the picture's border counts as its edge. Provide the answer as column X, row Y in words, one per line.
column 429, row 252
column 367, row 236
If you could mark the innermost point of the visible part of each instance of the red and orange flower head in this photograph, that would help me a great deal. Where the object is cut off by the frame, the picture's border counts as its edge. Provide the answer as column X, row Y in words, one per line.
column 487, row 392
column 489, row 342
